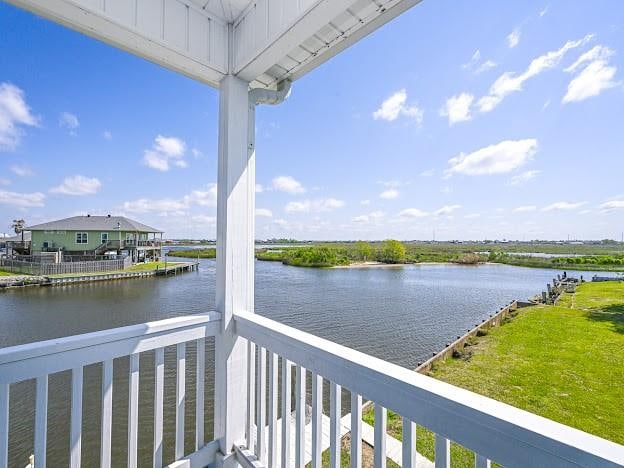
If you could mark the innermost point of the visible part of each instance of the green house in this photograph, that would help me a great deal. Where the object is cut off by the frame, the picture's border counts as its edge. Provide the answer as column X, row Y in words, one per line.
column 95, row 236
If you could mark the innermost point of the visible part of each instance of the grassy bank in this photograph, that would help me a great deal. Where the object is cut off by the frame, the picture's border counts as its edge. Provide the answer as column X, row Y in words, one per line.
column 564, row 363
column 606, row 256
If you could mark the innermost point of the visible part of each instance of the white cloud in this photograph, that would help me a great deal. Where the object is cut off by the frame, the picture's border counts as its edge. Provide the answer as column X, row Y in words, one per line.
column 413, row 213
column 368, row 218
column 472, row 216
column 596, row 77
column 4, row 182
column 447, row 210
column 164, row 152
column 288, row 184
column 457, row 108
column 389, row 194
column 427, row 173
column 563, row 206
column 22, row 170
column 494, row 159
column 543, row 12
column 525, row 209
column 513, row 39
column 107, row 135
column 612, row 205
column 69, row 121
column 22, row 200
column 206, row 197
column 259, row 188
column 473, row 60
column 314, row 206
column 204, row 220
column 78, row 185
column 524, row 177
column 263, row 212
column 145, row 205
column 510, row 82
column 365, row 202
column 196, row 153
column 14, row 114
column 485, row 66
column 395, row 106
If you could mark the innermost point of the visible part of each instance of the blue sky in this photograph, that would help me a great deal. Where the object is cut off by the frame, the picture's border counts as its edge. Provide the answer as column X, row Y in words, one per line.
column 476, row 120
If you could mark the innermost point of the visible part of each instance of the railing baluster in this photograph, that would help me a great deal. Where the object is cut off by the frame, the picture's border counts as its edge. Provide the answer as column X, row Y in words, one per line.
column 272, row 410
column 409, row 444
column 335, row 403
column 200, row 376
column 180, row 399
column 261, row 407
column 317, row 425
column 107, row 414
column 159, row 386
column 381, row 415
column 4, row 425
column 300, row 395
column 76, row 418
column 482, row 462
column 251, row 394
column 356, row 430
column 442, row 452
column 41, row 421
column 286, row 409
column 133, row 410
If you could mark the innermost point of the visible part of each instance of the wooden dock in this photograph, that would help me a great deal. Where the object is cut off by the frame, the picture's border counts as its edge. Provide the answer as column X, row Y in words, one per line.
column 27, row 281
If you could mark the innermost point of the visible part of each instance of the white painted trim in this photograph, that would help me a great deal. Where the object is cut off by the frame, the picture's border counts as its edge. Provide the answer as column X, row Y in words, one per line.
column 510, row 436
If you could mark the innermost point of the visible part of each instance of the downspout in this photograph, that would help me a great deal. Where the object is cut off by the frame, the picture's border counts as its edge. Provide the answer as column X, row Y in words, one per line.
column 267, row 96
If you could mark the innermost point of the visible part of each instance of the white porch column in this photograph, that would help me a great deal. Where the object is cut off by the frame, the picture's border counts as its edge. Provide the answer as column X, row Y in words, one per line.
column 235, row 257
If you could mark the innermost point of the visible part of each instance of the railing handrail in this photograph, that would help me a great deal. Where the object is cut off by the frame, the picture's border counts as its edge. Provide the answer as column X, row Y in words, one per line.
column 508, row 435
column 30, row 360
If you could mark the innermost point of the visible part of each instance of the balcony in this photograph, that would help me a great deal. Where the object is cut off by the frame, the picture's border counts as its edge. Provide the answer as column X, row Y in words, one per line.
column 271, row 429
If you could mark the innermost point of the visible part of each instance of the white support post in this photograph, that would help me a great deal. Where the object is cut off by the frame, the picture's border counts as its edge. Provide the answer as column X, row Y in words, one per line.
column 235, row 259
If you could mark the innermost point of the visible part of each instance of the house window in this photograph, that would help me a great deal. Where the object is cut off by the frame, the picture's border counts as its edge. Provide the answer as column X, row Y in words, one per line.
column 129, row 236
column 104, row 237
column 82, row 238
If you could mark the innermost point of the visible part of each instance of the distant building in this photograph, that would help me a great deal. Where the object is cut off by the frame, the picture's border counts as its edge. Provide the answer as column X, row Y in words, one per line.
column 96, row 235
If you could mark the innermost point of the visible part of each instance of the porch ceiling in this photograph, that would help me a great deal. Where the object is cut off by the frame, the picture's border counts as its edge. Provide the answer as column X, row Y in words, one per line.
column 260, row 41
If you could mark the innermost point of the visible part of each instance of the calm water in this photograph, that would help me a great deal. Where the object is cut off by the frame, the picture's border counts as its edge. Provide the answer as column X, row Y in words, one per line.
column 399, row 314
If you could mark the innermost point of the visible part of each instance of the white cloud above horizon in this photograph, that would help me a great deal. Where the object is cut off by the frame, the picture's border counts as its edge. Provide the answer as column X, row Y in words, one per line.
column 15, row 114
column 70, row 122
column 596, row 76
column 264, row 213
column 78, row 185
column 524, row 177
column 287, row 184
column 510, row 82
column 22, row 170
column 457, row 108
column 525, row 209
column 396, row 106
column 413, row 213
column 499, row 158
column 447, row 210
column 563, row 206
column 389, row 194
column 513, row 39
column 22, row 200
column 165, row 152
column 314, row 206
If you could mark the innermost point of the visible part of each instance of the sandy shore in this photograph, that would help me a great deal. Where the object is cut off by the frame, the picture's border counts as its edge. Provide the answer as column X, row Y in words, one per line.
column 371, row 265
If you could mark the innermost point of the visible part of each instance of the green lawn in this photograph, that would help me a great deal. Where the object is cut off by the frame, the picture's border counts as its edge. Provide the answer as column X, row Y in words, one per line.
column 564, row 363
column 6, row 273
column 150, row 266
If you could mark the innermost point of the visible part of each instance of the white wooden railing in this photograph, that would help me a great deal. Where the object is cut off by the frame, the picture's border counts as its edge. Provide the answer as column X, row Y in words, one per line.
column 39, row 360
column 493, row 430
column 277, row 355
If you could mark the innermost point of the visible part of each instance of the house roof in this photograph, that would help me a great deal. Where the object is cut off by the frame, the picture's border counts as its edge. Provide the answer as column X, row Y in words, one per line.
column 94, row 223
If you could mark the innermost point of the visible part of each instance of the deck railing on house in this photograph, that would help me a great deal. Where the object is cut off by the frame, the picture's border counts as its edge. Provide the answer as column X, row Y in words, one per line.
column 494, row 431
